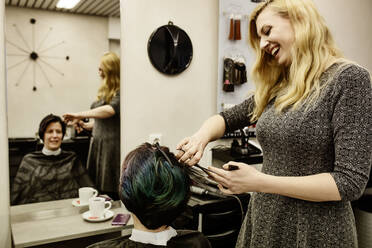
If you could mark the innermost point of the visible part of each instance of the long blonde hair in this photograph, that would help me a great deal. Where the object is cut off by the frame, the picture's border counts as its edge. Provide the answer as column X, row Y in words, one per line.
column 312, row 51
column 110, row 86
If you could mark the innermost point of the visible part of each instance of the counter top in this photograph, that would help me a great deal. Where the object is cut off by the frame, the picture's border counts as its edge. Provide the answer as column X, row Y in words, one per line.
column 53, row 221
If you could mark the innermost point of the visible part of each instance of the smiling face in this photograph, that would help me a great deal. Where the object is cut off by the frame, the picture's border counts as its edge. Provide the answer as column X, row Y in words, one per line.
column 276, row 35
column 53, row 136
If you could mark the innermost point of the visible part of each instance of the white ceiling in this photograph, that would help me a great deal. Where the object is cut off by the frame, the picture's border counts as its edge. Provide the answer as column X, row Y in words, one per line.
column 87, row 7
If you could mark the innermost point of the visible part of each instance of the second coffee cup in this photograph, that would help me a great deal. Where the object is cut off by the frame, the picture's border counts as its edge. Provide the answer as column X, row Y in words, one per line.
column 86, row 193
column 97, row 207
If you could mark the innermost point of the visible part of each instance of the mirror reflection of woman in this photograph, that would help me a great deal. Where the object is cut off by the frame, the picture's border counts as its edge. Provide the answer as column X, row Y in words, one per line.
column 104, row 153
column 49, row 174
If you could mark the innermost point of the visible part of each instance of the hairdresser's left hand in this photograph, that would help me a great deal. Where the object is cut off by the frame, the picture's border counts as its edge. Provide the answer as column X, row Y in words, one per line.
column 245, row 179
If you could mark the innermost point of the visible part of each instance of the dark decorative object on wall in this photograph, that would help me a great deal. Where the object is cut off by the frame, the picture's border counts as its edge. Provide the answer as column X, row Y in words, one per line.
column 234, row 73
column 170, row 49
column 228, row 67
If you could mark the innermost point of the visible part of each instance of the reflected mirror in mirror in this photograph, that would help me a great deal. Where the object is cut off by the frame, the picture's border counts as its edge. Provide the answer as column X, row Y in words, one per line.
column 53, row 58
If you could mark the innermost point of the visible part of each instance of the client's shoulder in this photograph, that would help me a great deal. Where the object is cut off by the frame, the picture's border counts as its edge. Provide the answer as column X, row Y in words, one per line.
column 189, row 238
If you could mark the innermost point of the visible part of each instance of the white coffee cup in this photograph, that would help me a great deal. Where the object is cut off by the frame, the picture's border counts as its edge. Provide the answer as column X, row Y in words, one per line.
column 70, row 131
column 97, row 207
column 86, row 193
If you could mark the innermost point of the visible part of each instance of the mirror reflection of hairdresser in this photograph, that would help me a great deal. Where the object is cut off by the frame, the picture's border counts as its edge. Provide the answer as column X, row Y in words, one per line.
column 104, row 153
column 155, row 188
column 313, row 110
column 49, row 174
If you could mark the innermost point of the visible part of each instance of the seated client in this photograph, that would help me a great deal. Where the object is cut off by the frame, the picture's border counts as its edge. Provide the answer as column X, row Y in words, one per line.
column 155, row 188
column 50, row 174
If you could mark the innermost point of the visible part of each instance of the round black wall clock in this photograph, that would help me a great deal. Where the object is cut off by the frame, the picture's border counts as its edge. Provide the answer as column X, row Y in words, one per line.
column 170, row 49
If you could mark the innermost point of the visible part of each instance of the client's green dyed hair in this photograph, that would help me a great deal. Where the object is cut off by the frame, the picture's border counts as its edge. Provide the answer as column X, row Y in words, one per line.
column 152, row 188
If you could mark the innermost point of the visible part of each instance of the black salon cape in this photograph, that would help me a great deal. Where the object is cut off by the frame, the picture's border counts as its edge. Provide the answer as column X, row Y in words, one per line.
column 184, row 239
column 45, row 178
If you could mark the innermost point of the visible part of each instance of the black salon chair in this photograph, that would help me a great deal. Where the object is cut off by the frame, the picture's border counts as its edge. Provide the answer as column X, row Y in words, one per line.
column 219, row 219
column 221, row 228
column 18, row 147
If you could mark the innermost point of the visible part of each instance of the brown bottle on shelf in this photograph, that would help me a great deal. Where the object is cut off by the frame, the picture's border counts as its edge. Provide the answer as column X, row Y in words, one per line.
column 231, row 32
column 237, row 34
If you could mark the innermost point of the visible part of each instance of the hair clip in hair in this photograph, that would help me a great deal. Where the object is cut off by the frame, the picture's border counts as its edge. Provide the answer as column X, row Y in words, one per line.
column 157, row 146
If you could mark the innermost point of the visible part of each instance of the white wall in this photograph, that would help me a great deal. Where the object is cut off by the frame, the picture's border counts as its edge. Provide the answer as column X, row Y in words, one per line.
column 4, row 168
column 114, row 46
column 114, row 28
column 85, row 40
column 350, row 23
column 114, row 35
column 174, row 106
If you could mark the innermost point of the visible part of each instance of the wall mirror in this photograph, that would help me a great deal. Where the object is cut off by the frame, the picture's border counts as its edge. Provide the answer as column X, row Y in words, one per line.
column 52, row 58
column 170, row 49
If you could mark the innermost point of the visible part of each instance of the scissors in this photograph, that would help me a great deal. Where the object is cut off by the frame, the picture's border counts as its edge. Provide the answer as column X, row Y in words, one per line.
column 204, row 169
column 200, row 167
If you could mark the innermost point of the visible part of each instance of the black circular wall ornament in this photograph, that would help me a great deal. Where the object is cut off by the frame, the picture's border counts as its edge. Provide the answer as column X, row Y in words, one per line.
column 170, row 49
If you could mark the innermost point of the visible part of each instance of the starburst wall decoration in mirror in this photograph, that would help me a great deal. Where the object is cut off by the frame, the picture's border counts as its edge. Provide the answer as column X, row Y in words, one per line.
column 34, row 53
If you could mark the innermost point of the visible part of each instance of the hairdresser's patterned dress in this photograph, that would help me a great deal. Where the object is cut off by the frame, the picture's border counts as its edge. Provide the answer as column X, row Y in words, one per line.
column 334, row 136
column 104, row 152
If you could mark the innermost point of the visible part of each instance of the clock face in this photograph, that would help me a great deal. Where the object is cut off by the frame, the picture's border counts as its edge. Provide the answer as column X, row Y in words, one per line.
column 28, row 55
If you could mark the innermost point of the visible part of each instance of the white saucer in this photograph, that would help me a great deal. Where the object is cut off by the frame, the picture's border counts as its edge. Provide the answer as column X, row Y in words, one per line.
column 76, row 203
column 108, row 215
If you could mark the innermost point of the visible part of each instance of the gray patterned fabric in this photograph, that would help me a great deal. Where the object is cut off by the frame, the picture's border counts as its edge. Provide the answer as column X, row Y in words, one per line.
column 104, row 152
column 335, row 136
column 45, row 178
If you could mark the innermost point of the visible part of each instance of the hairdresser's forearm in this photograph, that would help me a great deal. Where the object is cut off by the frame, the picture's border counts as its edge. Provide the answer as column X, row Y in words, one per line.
column 101, row 112
column 213, row 128
column 317, row 188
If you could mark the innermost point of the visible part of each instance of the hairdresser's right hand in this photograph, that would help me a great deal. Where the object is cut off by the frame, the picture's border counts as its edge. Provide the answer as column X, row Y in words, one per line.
column 191, row 149
column 71, row 118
